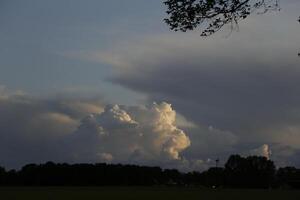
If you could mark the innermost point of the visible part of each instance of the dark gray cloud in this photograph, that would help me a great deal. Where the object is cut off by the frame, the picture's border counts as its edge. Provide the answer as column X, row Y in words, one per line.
column 226, row 97
column 227, row 88
column 34, row 130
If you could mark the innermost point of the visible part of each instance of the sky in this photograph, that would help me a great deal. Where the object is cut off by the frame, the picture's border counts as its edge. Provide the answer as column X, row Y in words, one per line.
column 107, row 81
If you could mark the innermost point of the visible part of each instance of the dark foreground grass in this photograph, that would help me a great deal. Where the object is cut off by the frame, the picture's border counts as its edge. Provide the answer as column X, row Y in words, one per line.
column 140, row 193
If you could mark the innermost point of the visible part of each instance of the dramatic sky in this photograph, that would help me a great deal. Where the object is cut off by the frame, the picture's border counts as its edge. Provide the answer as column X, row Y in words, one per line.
column 107, row 81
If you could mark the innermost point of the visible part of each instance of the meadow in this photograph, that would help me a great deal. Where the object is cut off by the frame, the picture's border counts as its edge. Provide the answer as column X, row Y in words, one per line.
column 141, row 193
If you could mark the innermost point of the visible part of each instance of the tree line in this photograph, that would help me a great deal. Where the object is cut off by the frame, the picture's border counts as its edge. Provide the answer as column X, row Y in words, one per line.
column 238, row 172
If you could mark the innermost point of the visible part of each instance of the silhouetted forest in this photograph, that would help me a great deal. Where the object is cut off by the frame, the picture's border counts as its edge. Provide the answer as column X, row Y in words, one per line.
column 239, row 172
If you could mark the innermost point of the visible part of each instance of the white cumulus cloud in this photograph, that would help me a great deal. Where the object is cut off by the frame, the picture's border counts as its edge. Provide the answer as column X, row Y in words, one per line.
column 263, row 150
column 135, row 134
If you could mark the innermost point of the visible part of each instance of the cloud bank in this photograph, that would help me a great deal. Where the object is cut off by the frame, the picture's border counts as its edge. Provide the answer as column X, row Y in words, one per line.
column 83, row 130
column 89, row 130
column 33, row 130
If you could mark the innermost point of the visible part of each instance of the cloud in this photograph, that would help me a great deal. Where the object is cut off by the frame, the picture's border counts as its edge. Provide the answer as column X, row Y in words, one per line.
column 142, row 135
column 86, row 130
column 81, row 108
column 74, row 129
column 82, row 130
column 51, row 123
column 5, row 93
column 282, row 155
column 210, row 143
column 237, row 88
column 150, row 135
column 264, row 151
column 34, row 130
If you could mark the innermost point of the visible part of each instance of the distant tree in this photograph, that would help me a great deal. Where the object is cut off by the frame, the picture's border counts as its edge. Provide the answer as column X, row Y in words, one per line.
column 289, row 177
column 234, row 163
column 2, row 175
column 250, row 172
column 213, row 177
column 194, row 178
column 187, row 15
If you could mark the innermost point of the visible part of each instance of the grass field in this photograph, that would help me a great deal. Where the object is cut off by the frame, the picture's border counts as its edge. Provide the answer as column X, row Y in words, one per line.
column 141, row 193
